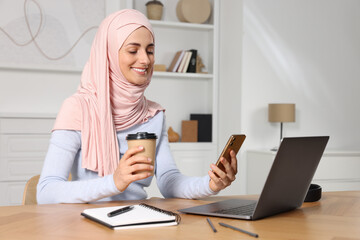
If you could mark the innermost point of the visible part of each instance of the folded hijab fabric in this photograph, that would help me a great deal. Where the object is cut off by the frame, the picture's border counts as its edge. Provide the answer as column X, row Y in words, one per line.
column 105, row 101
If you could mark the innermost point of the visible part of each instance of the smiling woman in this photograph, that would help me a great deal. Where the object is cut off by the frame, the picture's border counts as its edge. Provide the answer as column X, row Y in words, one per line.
column 89, row 136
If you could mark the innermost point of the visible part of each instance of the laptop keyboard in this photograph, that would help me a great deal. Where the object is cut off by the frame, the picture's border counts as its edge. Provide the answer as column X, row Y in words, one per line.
column 246, row 210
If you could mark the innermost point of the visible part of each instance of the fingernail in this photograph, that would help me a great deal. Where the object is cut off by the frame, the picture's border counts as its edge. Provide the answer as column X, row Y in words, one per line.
column 149, row 159
column 141, row 147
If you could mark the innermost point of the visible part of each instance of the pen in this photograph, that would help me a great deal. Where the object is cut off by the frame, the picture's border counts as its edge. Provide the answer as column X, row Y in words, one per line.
column 240, row 230
column 211, row 225
column 120, row 211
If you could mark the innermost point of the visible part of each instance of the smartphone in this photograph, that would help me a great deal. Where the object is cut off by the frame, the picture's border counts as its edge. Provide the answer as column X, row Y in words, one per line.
column 234, row 143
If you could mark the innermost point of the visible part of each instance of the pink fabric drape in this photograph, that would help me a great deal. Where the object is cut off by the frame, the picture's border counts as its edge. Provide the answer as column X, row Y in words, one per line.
column 105, row 101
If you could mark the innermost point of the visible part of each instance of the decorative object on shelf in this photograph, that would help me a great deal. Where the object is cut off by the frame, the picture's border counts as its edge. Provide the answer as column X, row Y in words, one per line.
column 204, row 126
column 281, row 112
column 193, row 11
column 199, row 65
column 160, row 67
column 154, row 10
column 189, row 131
column 172, row 135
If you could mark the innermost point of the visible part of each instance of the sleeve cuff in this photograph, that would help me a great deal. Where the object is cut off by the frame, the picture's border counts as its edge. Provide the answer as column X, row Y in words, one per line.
column 111, row 182
column 207, row 186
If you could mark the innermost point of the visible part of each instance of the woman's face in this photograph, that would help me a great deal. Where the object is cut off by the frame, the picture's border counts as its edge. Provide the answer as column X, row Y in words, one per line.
column 136, row 56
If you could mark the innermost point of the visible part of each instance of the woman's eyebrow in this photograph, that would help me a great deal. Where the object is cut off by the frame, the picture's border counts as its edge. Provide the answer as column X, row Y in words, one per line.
column 138, row 44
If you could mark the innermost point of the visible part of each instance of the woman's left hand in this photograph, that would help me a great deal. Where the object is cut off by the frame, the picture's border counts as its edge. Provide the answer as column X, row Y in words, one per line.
column 223, row 179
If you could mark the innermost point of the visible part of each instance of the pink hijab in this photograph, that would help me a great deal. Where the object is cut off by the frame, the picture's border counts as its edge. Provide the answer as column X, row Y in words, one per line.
column 105, row 101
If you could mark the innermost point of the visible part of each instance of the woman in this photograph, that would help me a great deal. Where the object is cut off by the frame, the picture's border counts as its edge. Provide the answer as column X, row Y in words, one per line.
column 89, row 136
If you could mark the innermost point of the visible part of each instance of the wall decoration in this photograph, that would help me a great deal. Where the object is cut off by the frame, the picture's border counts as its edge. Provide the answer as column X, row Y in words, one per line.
column 48, row 34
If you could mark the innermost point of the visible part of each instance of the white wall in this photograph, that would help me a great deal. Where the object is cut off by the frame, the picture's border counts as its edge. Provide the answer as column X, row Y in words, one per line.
column 230, row 84
column 230, row 69
column 304, row 52
column 35, row 91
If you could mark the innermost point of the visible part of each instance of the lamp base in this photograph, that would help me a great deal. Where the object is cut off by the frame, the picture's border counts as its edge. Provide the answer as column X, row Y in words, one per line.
column 274, row 149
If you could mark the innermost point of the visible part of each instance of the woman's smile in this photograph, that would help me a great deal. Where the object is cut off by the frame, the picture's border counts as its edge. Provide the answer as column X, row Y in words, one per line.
column 142, row 71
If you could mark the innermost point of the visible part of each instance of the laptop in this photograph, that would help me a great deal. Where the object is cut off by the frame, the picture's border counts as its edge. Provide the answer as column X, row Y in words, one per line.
column 285, row 188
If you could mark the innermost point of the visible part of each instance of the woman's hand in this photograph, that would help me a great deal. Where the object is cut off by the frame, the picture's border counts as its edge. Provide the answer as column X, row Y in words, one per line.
column 132, row 168
column 223, row 179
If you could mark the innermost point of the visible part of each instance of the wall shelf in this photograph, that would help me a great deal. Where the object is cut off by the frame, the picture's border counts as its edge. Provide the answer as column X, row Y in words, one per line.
column 183, row 75
column 158, row 23
column 185, row 93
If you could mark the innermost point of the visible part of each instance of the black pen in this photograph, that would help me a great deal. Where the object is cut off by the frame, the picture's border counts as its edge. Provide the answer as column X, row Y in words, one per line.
column 211, row 225
column 120, row 211
column 240, row 230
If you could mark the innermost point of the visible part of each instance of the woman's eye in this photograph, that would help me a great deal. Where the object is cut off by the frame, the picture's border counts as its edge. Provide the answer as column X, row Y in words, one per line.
column 150, row 50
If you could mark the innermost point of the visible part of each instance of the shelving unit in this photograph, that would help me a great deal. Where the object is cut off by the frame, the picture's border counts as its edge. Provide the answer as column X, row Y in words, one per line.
column 199, row 89
column 184, row 93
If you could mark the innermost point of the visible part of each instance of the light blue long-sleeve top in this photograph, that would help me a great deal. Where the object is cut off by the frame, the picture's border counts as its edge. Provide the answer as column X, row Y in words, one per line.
column 64, row 156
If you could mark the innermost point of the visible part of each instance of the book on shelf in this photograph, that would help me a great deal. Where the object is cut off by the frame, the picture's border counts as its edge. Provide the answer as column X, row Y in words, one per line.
column 141, row 216
column 183, row 62
column 174, row 65
column 204, row 126
column 186, row 61
column 192, row 64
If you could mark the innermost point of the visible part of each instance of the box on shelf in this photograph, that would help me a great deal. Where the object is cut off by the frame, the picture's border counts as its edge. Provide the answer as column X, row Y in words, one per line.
column 204, row 126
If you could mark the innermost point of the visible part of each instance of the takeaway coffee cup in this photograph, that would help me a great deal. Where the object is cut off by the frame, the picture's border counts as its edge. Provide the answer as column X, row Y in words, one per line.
column 148, row 141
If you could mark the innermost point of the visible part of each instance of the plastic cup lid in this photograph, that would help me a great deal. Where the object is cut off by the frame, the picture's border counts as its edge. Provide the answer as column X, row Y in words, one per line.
column 141, row 135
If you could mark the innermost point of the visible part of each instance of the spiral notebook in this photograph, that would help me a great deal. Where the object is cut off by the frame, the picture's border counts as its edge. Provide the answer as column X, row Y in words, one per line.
column 142, row 215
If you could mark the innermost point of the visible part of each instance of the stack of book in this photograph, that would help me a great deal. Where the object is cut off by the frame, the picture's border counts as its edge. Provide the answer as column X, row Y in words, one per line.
column 184, row 61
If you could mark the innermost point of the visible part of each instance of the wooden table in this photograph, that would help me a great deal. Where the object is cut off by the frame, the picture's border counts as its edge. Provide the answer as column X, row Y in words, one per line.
column 335, row 217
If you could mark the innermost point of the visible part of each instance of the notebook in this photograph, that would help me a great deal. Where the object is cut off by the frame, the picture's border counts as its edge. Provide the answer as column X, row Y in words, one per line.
column 142, row 215
column 285, row 188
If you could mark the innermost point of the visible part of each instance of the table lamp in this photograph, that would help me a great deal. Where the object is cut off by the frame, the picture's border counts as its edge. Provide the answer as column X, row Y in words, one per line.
column 281, row 112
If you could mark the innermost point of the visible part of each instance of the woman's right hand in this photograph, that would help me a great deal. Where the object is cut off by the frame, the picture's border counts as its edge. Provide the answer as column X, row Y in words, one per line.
column 132, row 168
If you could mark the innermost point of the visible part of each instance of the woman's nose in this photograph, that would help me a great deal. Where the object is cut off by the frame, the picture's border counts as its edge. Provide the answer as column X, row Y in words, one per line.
column 144, row 58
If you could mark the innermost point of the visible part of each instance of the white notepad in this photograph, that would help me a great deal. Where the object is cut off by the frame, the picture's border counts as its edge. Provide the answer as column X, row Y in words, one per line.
column 143, row 215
